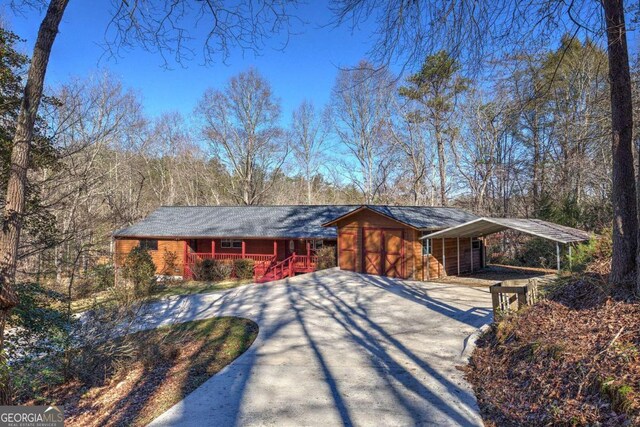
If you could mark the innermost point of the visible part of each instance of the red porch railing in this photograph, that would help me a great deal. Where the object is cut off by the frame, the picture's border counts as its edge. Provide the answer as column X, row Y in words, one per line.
column 265, row 268
column 195, row 257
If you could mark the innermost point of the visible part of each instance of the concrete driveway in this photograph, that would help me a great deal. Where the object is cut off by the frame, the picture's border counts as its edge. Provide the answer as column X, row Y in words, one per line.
column 337, row 348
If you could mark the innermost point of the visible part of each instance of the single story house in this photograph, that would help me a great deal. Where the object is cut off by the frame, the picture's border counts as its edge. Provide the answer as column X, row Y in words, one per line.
column 410, row 242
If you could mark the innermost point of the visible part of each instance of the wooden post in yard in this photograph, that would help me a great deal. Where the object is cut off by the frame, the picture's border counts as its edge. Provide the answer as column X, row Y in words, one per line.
column 444, row 260
column 558, row 255
column 458, row 249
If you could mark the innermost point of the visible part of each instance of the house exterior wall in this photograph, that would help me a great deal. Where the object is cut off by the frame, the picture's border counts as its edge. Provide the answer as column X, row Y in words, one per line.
column 252, row 246
column 124, row 246
column 350, row 241
column 351, row 232
column 437, row 266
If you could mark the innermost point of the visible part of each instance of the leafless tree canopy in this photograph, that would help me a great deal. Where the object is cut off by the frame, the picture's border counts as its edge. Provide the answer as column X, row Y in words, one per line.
column 167, row 27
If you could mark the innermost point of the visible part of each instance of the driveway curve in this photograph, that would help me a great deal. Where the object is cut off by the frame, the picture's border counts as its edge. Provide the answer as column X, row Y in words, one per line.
column 337, row 348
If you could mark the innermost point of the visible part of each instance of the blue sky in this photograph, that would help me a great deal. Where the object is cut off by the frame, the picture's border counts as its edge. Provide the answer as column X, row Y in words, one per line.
column 306, row 69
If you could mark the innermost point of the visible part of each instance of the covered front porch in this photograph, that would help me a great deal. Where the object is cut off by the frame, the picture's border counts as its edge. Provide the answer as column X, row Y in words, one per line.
column 269, row 255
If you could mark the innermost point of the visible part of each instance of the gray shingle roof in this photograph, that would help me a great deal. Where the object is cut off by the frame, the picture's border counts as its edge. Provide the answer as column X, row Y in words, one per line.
column 425, row 217
column 536, row 227
column 275, row 221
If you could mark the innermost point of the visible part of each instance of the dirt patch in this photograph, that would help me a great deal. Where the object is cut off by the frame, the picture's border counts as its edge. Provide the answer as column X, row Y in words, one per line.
column 573, row 359
column 170, row 363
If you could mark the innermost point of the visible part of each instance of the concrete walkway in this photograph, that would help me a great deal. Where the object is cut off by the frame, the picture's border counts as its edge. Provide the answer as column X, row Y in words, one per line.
column 337, row 348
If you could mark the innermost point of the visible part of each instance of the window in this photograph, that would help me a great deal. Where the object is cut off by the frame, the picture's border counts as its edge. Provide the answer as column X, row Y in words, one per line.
column 231, row 243
column 426, row 247
column 475, row 243
column 316, row 244
column 149, row 244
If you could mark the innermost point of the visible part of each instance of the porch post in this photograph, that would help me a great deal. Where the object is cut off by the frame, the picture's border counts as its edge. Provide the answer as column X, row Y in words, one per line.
column 275, row 248
column 471, row 251
column 428, row 256
column 458, row 249
column 243, row 248
column 558, row 255
column 444, row 260
column 213, row 247
column 184, row 261
column 308, row 248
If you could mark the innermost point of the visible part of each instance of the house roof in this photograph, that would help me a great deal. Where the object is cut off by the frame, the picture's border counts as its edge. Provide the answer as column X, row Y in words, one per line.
column 418, row 217
column 297, row 221
column 303, row 221
column 536, row 227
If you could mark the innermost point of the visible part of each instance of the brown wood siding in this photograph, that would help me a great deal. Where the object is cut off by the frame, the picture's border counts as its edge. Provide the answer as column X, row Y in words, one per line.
column 124, row 246
column 365, row 219
column 435, row 261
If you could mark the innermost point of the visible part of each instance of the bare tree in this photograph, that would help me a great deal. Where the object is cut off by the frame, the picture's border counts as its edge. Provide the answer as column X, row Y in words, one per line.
column 361, row 116
column 135, row 21
column 477, row 32
column 241, row 125
column 308, row 138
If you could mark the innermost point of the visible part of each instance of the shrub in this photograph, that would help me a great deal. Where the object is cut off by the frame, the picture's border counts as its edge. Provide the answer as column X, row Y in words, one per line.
column 139, row 270
column 243, row 268
column 97, row 278
column 170, row 260
column 326, row 257
column 38, row 330
column 211, row 270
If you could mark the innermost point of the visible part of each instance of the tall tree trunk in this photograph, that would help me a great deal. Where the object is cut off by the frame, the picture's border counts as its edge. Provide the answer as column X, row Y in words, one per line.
column 625, row 221
column 441, row 165
column 15, row 199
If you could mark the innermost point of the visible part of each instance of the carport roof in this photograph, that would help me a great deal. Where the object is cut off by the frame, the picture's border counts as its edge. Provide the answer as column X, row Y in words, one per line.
column 536, row 227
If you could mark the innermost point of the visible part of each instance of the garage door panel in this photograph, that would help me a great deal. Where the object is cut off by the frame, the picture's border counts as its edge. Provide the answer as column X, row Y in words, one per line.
column 372, row 263
column 347, row 241
column 347, row 250
column 393, row 241
column 372, row 240
column 383, row 252
column 393, row 266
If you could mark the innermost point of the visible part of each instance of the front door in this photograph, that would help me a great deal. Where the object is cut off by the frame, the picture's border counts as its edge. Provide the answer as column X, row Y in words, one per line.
column 383, row 251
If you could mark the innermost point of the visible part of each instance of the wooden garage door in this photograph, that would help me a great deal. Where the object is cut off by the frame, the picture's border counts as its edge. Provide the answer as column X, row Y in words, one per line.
column 347, row 246
column 383, row 251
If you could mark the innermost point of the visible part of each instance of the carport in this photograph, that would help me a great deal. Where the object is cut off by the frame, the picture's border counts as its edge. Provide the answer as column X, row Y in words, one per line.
column 484, row 226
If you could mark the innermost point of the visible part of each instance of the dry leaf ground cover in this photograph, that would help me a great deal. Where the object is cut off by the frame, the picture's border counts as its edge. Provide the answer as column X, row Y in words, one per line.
column 572, row 359
column 166, row 364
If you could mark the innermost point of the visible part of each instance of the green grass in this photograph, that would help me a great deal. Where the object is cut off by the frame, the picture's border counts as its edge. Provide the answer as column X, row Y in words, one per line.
column 172, row 289
column 170, row 362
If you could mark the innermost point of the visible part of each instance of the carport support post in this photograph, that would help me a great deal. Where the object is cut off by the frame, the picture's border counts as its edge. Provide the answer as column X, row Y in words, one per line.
column 471, row 251
column 458, row 249
column 444, row 261
column 558, row 255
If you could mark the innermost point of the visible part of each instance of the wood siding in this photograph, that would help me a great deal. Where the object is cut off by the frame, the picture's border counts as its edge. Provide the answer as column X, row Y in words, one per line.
column 252, row 246
column 436, row 263
column 350, row 253
column 124, row 246
column 360, row 228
